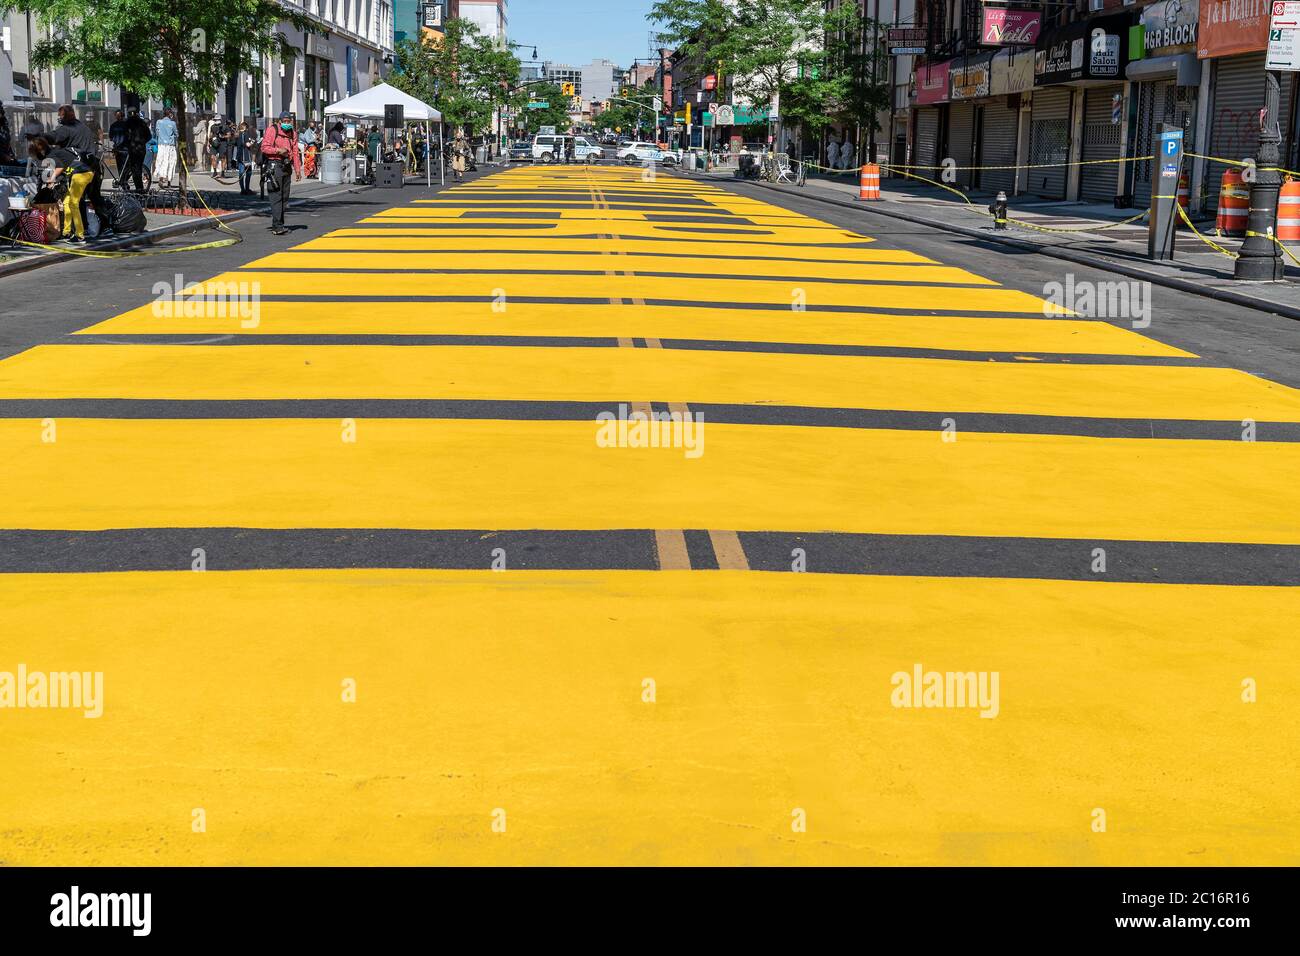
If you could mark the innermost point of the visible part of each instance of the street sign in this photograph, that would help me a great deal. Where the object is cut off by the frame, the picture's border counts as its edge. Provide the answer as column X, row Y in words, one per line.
column 546, row 131
column 1284, row 37
column 907, row 36
column 659, row 105
column 538, row 105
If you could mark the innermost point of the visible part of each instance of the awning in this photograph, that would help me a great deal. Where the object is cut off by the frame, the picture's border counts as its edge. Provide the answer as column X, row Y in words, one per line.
column 1184, row 66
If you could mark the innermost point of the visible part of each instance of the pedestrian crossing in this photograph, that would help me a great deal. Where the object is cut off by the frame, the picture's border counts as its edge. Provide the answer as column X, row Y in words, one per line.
column 389, row 479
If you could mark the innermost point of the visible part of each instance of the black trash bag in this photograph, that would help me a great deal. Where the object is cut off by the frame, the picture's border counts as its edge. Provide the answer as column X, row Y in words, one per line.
column 126, row 216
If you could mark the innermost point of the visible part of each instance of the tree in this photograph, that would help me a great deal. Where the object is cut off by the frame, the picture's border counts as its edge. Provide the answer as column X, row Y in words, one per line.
column 633, row 113
column 792, row 48
column 554, row 113
column 465, row 75
column 180, row 51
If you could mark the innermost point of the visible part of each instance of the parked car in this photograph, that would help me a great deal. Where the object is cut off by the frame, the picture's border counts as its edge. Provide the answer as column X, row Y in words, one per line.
column 521, row 151
column 635, row 153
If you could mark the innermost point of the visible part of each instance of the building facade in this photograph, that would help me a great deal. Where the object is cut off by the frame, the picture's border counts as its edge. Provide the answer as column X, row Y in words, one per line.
column 349, row 48
column 1069, row 101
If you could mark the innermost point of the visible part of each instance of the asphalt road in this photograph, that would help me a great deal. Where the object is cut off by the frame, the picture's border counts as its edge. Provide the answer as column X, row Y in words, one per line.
column 382, row 563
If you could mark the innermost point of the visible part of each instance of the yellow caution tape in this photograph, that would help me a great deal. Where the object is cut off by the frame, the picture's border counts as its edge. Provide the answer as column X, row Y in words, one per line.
column 1209, row 242
column 1278, row 242
column 1019, row 222
column 235, row 238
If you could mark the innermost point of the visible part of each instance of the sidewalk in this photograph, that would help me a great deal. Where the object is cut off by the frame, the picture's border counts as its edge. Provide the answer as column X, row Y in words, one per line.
column 1197, row 267
column 223, row 198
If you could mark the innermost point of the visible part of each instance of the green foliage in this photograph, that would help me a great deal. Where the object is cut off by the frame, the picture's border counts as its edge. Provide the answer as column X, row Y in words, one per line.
column 465, row 75
column 182, row 50
column 810, row 56
column 632, row 113
column 178, row 50
column 555, row 113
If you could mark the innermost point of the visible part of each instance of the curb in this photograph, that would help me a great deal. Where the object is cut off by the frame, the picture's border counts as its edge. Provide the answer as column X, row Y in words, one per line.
column 1078, row 258
column 165, row 232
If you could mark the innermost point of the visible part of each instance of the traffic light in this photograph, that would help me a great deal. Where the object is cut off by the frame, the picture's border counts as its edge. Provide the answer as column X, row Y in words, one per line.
column 566, row 89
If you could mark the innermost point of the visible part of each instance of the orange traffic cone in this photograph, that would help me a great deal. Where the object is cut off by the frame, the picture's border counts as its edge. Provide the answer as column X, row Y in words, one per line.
column 1288, row 212
column 1234, row 205
column 869, row 184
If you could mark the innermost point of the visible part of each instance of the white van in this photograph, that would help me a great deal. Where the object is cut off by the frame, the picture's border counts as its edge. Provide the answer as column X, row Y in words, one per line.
column 550, row 149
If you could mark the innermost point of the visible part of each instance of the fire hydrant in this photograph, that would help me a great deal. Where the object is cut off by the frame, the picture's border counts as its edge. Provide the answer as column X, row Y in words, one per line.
column 999, row 209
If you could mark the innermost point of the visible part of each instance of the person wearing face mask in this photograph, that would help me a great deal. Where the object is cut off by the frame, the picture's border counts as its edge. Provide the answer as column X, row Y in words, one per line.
column 279, row 154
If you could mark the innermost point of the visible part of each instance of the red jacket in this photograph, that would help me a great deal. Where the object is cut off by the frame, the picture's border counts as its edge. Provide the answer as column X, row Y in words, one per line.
column 277, row 144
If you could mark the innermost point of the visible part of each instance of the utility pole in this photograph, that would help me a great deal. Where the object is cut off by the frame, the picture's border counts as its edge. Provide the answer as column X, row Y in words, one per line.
column 1260, row 257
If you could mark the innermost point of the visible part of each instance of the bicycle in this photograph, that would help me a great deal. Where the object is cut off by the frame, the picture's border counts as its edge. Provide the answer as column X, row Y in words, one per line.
column 108, row 163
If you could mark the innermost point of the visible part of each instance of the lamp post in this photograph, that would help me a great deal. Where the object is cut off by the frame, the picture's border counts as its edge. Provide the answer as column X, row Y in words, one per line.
column 514, row 45
column 1260, row 257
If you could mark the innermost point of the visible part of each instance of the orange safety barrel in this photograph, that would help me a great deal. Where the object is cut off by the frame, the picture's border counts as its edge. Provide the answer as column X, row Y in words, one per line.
column 1234, row 205
column 1184, row 195
column 869, row 184
column 1288, row 211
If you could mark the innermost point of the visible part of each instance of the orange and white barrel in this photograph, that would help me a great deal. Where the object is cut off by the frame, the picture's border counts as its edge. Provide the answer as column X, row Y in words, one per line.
column 1234, row 205
column 1288, row 211
column 1184, row 195
column 869, row 184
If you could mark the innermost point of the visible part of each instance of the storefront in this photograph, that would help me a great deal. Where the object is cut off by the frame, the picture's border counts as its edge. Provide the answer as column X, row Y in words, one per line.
column 1011, row 81
column 1166, row 76
column 1070, row 63
column 969, row 80
column 928, row 135
column 1232, row 38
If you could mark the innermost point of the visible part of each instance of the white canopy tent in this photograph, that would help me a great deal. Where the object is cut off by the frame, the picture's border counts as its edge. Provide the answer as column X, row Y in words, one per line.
column 369, row 104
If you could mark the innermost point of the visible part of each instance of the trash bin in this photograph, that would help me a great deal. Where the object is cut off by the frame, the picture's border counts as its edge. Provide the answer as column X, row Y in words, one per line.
column 331, row 166
column 480, row 156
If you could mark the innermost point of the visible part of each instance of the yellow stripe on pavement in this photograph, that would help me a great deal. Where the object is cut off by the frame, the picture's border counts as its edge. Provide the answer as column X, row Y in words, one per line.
column 630, row 262
column 706, row 250
column 1073, row 336
column 528, row 373
column 423, row 473
column 521, row 697
column 809, row 293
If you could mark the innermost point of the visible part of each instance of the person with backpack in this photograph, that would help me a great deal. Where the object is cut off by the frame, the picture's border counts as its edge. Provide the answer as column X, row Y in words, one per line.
column 55, row 161
column 279, row 155
column 138, row 136
column 245, row 153
column 117, row 137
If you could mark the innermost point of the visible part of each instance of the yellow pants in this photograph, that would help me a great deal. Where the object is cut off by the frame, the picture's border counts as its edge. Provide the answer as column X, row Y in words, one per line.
column 73, row 225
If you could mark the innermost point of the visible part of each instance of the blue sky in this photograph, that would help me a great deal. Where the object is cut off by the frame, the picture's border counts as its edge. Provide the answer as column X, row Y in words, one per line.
column 579, row 31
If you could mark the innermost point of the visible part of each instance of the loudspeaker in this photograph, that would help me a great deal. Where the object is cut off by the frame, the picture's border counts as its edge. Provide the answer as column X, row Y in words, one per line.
column 388, row 175
column 394, row 115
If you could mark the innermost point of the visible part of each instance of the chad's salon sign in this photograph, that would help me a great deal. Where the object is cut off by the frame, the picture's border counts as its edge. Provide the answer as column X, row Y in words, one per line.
column 1006, row 27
